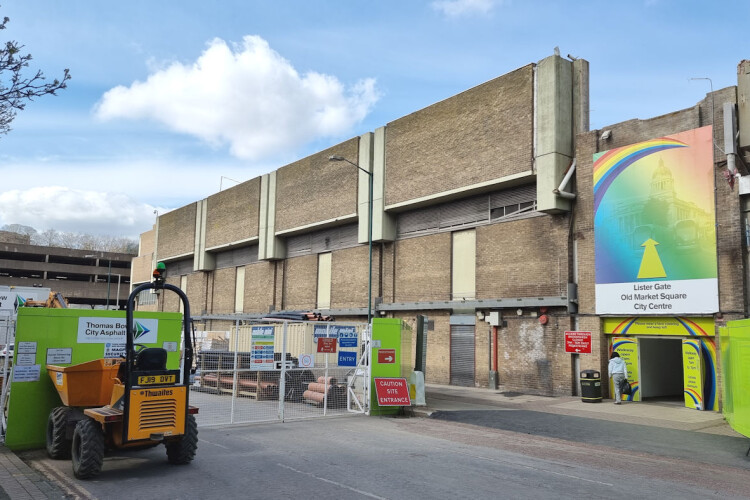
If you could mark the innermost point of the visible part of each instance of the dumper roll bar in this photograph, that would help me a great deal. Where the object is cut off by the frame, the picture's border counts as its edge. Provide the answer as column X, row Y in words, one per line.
column 158, row 284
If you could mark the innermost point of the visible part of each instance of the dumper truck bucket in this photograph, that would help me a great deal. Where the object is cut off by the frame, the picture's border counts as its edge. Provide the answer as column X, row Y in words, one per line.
column 85, row 384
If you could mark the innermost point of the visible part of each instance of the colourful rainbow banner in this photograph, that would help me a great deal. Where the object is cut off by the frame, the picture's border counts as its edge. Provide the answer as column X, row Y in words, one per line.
column 613, row 162
column 655, row 227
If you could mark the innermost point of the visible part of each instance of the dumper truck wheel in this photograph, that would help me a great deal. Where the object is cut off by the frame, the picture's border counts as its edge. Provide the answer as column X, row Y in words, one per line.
column 58, row 445
column 183, row 451
column 88, row 449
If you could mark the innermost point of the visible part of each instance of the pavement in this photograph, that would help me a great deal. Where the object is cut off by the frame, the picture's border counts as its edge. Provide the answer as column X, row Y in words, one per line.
column 663, row 414
column 19, row 481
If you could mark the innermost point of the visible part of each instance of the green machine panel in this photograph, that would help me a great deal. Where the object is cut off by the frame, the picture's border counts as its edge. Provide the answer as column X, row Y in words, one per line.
column 67, row 337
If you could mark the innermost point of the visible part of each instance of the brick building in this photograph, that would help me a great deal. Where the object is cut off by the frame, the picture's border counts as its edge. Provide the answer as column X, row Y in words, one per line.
column 472, row 214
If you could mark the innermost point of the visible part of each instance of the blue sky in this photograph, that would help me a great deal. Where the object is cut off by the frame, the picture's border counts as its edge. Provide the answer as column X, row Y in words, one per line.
column 169, row 96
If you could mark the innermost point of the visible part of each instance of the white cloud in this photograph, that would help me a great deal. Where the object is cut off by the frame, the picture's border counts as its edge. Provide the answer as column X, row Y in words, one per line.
column 78, row 211
column 246, row 96
column 457, row 8
column 115, row 196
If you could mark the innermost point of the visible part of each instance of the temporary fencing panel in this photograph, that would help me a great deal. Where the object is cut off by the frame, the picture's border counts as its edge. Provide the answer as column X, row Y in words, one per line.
column 274, row 371
column 7, row 339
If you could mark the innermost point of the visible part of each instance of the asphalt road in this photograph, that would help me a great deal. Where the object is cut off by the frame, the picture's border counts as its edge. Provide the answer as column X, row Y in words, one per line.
column 415, row 458
column 695, row 446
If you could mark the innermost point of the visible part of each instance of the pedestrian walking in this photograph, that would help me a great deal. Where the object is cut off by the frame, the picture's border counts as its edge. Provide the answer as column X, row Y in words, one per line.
column 617, row 372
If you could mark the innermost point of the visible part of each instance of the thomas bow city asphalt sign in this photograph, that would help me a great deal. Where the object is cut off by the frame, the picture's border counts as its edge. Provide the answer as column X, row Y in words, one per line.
column 578, row 342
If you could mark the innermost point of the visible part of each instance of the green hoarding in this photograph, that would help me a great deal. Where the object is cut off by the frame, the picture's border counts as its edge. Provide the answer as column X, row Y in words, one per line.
column 67, row 337
column 735, row 370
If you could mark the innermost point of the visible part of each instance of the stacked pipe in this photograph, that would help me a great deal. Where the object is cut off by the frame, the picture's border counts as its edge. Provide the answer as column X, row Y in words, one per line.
column 316, row 392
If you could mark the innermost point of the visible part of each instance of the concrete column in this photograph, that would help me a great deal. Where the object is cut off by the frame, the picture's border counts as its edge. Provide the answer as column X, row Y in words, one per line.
column 555, row 123
column 270, row 246
column 383, row 223
column 203, row 260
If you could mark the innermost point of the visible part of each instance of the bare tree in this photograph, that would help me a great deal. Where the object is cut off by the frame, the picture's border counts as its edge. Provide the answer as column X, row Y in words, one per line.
column 47, row 238
column 16, row 89
column 79, row 241
column 20, row 229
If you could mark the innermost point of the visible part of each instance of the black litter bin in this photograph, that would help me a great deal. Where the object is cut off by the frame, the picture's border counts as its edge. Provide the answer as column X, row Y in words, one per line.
column 591, row 386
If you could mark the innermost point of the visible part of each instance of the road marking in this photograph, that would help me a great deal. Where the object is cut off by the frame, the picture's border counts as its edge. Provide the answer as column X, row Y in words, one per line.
column 331, row 482
column 215, row 444
column 532, row 467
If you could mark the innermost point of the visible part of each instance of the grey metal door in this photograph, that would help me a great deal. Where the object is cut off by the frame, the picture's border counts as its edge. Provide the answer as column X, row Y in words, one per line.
column 462, row 355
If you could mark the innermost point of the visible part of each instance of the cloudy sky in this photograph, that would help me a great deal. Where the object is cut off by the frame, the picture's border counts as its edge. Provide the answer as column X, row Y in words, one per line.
column 172, row 99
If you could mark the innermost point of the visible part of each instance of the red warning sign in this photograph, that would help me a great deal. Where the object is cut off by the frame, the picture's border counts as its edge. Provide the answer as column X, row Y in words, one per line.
column 386, row 356
column 392, row 392
column 326, row 344
column 578, row 342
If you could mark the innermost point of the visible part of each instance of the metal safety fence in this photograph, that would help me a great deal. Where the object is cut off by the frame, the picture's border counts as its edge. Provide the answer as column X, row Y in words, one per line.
column 7, row 337
column 277, row 371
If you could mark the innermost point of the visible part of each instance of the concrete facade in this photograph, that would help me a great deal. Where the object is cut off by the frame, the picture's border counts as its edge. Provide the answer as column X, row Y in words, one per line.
column 466, row 163
column 86, row 278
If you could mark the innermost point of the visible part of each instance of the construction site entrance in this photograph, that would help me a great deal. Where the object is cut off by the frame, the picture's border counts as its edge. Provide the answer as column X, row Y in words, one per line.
column 269, row 370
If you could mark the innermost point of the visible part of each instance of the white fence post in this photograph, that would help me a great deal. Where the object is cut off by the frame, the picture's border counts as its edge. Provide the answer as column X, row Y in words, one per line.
column 234, row 375
column 282, row 376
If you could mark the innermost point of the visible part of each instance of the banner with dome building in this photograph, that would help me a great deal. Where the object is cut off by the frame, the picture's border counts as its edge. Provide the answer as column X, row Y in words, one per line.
column 654, row 227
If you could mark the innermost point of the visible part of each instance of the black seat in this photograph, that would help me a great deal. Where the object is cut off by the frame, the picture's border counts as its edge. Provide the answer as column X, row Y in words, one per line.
column 151, row 358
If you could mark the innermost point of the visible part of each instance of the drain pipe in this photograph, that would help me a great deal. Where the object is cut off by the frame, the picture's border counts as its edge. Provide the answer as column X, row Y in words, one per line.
column 560, row 189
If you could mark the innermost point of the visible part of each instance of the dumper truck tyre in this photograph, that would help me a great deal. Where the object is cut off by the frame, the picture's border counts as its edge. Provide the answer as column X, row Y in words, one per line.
column 58, row 444
column 182, row 451
column 88, row 449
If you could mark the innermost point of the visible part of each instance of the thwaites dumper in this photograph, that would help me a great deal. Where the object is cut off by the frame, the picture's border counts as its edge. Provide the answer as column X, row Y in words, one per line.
column 131, row 403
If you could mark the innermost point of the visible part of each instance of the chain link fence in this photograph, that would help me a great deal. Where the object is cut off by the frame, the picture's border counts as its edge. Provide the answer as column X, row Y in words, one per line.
column 277, row 371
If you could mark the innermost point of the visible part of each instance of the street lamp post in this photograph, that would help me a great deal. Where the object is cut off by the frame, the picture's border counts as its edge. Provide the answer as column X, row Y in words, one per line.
column 369, row 232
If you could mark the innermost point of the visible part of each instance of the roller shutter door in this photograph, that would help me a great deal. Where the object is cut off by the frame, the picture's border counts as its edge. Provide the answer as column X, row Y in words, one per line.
column 462, row 355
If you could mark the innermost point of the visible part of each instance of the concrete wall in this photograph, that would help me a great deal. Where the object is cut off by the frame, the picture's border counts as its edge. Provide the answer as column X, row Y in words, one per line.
column 477, row 136
column 350, row 273
column 524, row 258
column 233, row 214
column 177, row 232
column 259, row 287
column 532, row 358
column 423, row 268
column 315, row 189
column 300, row 283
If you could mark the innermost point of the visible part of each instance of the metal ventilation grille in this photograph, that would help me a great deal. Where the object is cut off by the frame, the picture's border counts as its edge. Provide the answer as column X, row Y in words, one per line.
column 157, row 414
column 509, row 204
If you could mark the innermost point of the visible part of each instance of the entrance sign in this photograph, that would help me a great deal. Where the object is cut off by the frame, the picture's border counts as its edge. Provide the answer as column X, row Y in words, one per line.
column 578, row 342
column 347, row 358
column 392, row 392
column 655, row 227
